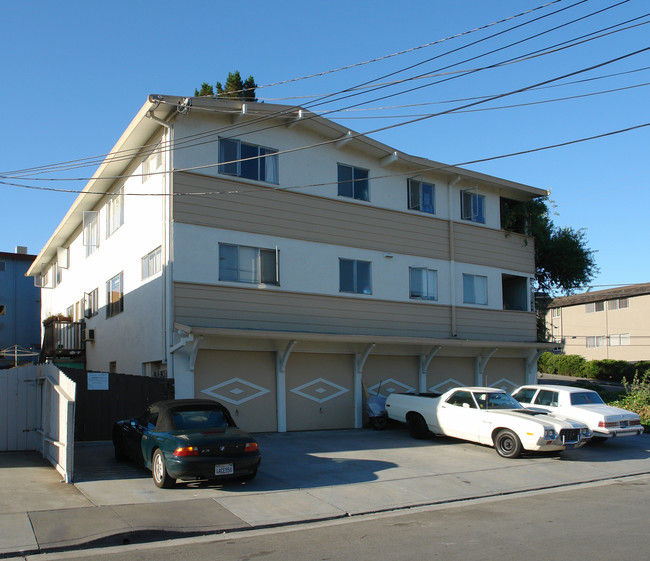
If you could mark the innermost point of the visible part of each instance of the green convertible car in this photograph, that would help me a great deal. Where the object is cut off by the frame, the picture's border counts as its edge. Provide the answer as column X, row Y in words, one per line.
column 187, row 439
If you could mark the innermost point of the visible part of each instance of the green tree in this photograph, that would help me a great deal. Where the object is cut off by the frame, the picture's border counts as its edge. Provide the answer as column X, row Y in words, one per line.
column 206, row 90
column 563, row 262
column 236, row 88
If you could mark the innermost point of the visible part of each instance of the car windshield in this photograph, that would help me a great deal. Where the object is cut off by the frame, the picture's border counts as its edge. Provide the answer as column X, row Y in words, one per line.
column 586, row 398
column 496, row 400
column 198, row 419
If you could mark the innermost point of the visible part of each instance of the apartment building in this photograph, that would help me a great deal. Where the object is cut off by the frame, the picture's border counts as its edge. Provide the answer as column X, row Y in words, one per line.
column 604, row 324
column 271, row 259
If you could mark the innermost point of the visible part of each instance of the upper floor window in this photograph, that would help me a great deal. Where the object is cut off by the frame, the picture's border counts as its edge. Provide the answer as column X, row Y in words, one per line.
column 91, row 231
column 248, row 160
column 423, row 283
column 353, row 182
column 591, row 307
column 115, row 295
column 556, row 312
column 472, row 206
column 151, row 263
column 152, row 164
column 354, row 276
column 115, row 212
column 618, row 304
column 619, row 339
column 421, row 196
column 254, row 265
column 91, row 303
column 475, row 289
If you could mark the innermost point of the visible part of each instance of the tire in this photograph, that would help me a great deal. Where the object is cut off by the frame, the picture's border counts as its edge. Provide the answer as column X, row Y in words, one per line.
column 379, row 423
column 159, row 471
column 417, row 426
column 507, row 444
column 120, row 456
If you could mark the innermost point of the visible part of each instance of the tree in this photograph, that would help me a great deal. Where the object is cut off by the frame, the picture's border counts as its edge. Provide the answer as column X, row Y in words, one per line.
column 235, row 88
column 563, row 262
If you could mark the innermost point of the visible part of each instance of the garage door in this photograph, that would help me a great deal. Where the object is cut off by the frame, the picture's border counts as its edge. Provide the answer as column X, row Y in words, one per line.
column 320, row 391
column 244, row 382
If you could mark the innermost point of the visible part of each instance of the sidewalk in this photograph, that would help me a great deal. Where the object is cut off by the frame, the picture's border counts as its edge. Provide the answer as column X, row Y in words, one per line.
column 304, row 476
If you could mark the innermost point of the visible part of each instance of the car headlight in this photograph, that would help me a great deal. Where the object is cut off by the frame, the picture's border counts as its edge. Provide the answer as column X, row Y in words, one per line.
column 586, row 432
column 550, row 434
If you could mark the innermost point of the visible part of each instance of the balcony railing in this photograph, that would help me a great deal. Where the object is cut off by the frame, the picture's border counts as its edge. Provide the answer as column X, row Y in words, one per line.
column 63, row 338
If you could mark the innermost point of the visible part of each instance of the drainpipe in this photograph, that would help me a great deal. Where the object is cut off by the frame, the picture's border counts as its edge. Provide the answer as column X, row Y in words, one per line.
column 168, row 257
column 452, row 254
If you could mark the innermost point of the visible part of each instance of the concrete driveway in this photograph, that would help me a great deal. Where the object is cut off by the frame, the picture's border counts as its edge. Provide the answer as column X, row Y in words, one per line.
column 305, row 476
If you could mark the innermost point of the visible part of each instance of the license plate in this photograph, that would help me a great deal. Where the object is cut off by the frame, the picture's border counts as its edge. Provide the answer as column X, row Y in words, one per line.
column 224, row 469
column 624, row 424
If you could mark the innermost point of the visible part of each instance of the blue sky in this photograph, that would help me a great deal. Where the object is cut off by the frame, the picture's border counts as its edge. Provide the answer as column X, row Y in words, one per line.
column 76, row 72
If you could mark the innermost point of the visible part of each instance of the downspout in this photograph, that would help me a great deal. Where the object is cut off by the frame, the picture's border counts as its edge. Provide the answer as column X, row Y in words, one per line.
column 168, row 257
column 452, row 254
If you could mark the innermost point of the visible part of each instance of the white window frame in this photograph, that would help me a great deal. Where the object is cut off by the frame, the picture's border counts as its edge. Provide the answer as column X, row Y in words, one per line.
column 152, row 163
column 152, row 263
column 266, row 161
column 472, row 206
column 260, row 271
column 415, row 189
column 359, row 183
column 115, row 305
column 428, row 281
column 355, row 284
column 91, row 231
column 477, row 293
column 115, row 212
column 91, row 303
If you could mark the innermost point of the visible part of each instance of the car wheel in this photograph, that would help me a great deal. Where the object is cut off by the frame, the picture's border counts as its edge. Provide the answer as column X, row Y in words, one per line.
column 507, row 444
column 159, row 471
column 417, row 426
column 120, row 456
column 379, row 423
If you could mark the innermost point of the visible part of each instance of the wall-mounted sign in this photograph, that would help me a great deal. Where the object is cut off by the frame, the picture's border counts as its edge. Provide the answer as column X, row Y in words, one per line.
column 97, row 381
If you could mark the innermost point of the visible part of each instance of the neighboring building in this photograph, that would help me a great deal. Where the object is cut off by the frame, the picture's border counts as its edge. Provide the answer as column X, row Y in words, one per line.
column 603, row 324
column 20, row 305
column 285, row 263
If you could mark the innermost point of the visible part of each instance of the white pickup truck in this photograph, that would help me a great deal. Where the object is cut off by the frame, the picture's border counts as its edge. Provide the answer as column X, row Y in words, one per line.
column 488, row 416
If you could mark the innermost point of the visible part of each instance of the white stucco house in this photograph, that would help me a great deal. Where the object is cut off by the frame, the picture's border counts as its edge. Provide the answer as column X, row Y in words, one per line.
column 273, row 260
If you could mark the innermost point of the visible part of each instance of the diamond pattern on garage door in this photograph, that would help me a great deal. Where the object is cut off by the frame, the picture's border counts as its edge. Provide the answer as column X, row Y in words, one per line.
column 448, row 384
column 320, row 390
column 505, row 384
column 236, row 391
column 390, row 386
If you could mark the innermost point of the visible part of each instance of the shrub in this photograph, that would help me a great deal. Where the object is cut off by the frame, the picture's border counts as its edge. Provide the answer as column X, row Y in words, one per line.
column 547, row 363
column 572, row 365
column 637, row 397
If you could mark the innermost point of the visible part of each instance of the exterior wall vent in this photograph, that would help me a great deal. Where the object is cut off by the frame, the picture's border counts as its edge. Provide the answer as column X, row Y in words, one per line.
column 21, row 249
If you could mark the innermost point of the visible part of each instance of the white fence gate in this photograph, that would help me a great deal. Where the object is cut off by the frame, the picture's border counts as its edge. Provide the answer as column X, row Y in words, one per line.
column 37, row 413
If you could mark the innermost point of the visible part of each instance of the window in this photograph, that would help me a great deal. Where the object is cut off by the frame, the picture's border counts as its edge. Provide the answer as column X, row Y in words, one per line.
column 618, row 304
column 592, row 307
column 2, row 310
column 91, row 307
column 525, row 395
column 152, row 163
column 57, row 275
column 462, row 399
column 115, row 295
column 618, row 340
column 354, row 276
column 115, row 212
column 472, row 206
column 353, row 182
column 421, row 196
column 475, row 289
column 91, row 231
column 151, row 263
column 423, row 283
column 596, row 341
column 547, row 398
column 248, row 160
column 515, row 292
column 556, row 312
column 254, row 265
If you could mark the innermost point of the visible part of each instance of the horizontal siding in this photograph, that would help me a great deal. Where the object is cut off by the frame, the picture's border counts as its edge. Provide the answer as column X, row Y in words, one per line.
column 494, row 248
column 492, row 325
column 276, row 212
column 271, row 310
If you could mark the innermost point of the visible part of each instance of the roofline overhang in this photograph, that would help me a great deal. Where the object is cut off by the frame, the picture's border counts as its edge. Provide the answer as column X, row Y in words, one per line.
column 164, row 108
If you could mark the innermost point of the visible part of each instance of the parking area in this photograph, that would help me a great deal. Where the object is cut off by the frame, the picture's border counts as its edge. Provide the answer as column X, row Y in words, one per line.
column 304, row 476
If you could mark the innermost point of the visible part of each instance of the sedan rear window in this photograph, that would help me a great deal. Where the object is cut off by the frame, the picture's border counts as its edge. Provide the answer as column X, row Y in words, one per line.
column 586, row 398
column 199, row 419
